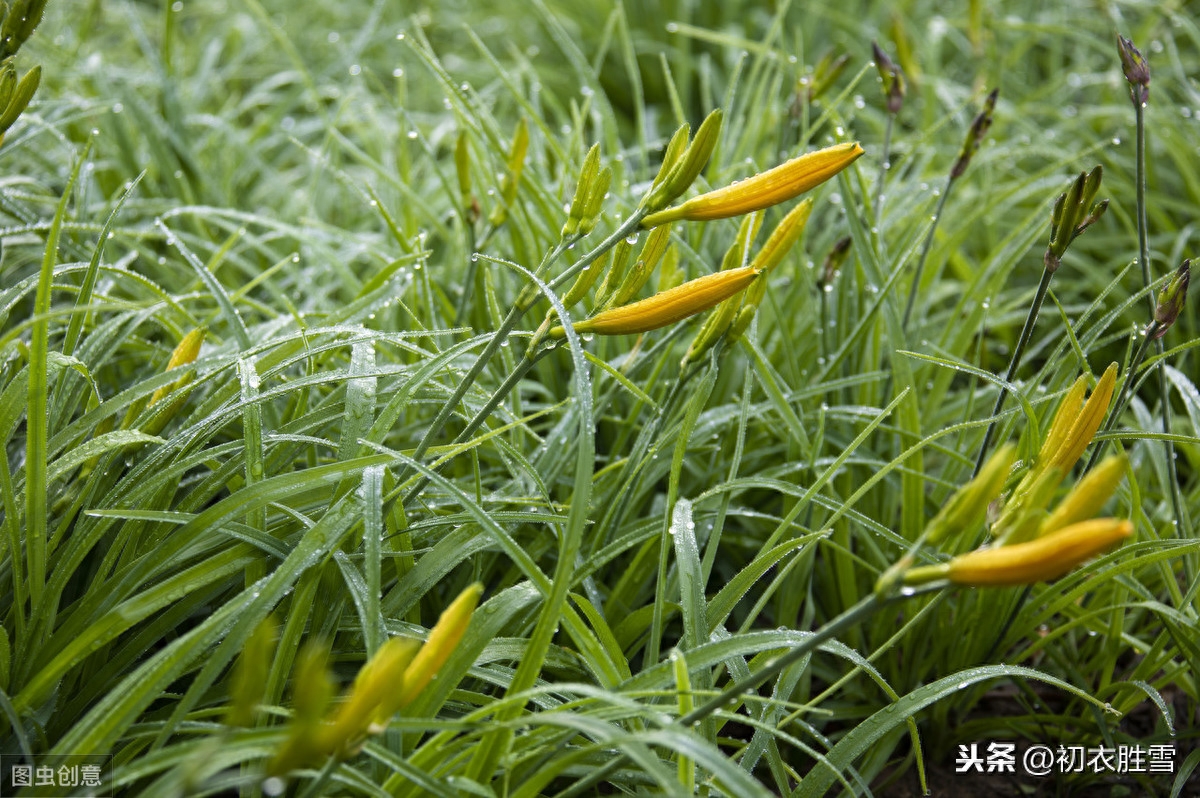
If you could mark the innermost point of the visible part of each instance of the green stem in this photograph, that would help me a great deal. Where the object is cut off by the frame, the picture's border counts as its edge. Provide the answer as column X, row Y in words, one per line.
column 524, row 302
column 884, row 166
column 925, row 247
column 1181, row 520
column 1013, row 364
column 482, row 415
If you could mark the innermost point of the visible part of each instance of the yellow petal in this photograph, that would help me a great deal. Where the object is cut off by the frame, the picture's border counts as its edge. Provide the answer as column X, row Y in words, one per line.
column 1085, row 426
column 1039, row 560
column 187, row 352
column 667, row 307
column 443, row 638
column 764, row 189
column 1064, row 417
column 1088, row 496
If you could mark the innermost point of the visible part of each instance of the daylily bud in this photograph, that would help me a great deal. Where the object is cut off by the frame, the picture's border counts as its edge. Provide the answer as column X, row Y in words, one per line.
column 510, row 181
column 754, row 297
column 186, row 352
column 1039, row 560
column 892, row 78
column 764, row 189
column 979, row 129
column 18, row 97
column 825, row 74
column 584, row 281
column 1088, row 496
column 583, row 189
column 833, row 262
column 1070, row 217
column 595, row 200
column 443, row 638
column 1136, row 69
column 968, row 506
column 738, row 253
column 688, row 167
column 368, row 705
column 1172, row 298
column 1086, row 423
column 651, row 254
column 783, row 237
column 672, row 155
column 666, row 307
column 615, row 275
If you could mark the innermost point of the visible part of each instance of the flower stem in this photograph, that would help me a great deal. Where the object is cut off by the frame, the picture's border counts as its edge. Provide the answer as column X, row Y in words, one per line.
column 522, row 305
column 925, row 247
column 1181, row 521
column 1013, row 364
column 884, row 166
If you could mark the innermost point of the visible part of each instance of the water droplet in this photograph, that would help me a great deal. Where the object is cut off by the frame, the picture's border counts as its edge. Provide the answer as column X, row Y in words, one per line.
column 333, row 37
column 631, row 239
column 355, row 69
column 1116, row 140
column 412, row 134
column 400, row 36
column 397, row 72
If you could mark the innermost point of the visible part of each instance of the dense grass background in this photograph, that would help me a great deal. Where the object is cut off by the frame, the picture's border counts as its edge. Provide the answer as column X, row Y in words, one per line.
column 285, row 177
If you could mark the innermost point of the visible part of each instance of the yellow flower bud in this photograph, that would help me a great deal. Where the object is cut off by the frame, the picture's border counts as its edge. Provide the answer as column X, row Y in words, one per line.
column 968, row 506
column 443, row 639
column 667, row 307
column 1039, row 560
column 187, row 352
column 367, row 701
column 764, row 189
column 1064, row 417
column 1086, row 423
column 1088, row 496
column 784, row 237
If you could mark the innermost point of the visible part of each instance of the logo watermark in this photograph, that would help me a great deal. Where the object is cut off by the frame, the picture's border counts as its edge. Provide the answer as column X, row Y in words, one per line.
column 56, row 776
column 1044, row 760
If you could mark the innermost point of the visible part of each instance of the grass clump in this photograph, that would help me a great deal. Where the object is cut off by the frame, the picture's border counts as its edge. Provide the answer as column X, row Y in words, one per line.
column 314, row 320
